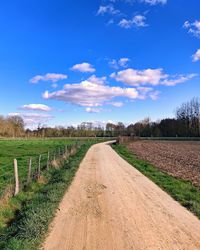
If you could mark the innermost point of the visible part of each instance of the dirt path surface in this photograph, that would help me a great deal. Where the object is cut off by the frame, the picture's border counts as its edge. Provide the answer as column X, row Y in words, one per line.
column 110, row 205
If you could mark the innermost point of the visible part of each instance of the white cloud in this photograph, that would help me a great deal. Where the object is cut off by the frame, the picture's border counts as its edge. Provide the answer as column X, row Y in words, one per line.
column 54, row 85
column 32, row 119
column 90, row 94
column 122, row 62
column 137, row 77
column 116, row 104
column 83, row 67
column 40, row 107
column 193, row 28
column 93, row 110
column 136, row 21
column 149, row 76
column 151, row 2
column 196, row 56
column 148, row 92
column 127, row 24
column 96, row 123
column 154, row 95
column 174, row 80
column 97, row 80
column 94, row 92
column 139, row 21
column 53, row 77
column 107, row 9
column 155, row 2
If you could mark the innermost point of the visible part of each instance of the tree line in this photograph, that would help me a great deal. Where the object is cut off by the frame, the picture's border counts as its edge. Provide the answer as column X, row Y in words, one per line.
column 12, row 126
column 186, row 123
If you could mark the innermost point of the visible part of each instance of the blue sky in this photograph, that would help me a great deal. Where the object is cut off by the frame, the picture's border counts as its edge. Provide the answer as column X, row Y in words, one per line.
column 64, row 62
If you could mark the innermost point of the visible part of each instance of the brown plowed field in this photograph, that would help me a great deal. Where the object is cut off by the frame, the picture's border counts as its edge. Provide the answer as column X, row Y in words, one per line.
column 180, row 159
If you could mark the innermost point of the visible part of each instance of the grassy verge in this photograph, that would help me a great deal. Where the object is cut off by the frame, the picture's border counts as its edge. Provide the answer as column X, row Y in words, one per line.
column 37, row 206
column 22, row 150
column 182, row 191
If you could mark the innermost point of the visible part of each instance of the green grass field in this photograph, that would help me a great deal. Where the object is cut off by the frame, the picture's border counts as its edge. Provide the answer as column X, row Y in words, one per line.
column 22, row 150
column 24, row 221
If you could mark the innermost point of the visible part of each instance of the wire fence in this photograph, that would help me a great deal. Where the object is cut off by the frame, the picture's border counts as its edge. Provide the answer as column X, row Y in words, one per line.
column 15, row 177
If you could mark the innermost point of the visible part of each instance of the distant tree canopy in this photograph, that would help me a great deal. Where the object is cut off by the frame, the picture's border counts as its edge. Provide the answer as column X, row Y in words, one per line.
column 185, row 124
column 11, row 126
column 188, row 118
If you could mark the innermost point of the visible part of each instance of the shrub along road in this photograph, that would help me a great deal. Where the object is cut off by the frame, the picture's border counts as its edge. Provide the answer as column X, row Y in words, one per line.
column 111, row 205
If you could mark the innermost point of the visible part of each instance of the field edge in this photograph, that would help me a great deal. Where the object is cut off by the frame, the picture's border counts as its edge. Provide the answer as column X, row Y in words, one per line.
column 182, row 191
column 30, row 226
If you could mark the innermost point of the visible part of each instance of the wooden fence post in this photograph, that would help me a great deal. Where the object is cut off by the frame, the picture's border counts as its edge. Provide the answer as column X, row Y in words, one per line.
column 29, row 171
column 48, row 161
column 16, row 177
column 65, row 155
column 39, row 166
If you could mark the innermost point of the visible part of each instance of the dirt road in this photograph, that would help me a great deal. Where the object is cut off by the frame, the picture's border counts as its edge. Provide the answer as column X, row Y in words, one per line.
column 112, row 206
